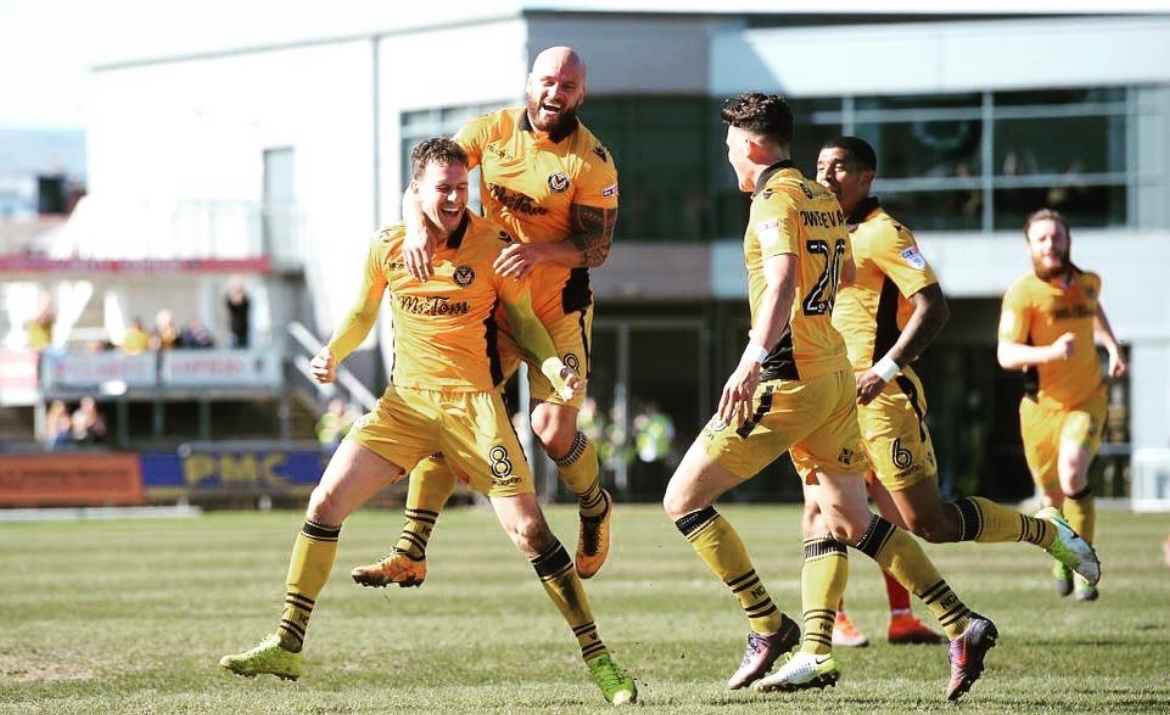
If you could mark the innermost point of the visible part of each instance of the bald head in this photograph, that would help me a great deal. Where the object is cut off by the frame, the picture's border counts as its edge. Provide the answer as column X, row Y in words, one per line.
column 556, row 88
column 559, row 59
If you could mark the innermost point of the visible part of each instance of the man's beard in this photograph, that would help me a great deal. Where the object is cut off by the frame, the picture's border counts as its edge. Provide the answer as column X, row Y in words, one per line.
column 565, row 119
column 1064, row 265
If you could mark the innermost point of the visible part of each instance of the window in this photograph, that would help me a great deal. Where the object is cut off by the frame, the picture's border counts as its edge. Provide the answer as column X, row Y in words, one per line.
column 973, row 161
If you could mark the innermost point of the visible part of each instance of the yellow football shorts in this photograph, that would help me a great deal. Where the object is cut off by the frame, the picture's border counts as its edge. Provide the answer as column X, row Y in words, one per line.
column 572, row 335
column 815, row 419
column 895, row 436
column 471, row 429
column 1046, row 430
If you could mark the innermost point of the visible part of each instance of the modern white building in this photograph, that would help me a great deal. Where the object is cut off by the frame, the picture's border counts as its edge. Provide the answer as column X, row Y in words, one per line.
column 286, row 155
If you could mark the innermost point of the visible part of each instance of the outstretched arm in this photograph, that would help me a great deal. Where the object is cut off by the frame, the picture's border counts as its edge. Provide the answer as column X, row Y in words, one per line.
column 358, row 323
column 1018, row 356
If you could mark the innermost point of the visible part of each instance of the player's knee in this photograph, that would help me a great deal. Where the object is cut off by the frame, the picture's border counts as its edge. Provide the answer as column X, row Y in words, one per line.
column 323, row 507
column 531, row 534
column 933, row 529
column 842, row 530
column 555, row 428
column 675, row 504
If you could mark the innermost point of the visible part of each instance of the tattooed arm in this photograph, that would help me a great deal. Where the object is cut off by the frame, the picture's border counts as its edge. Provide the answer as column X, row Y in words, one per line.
column 586, row 246
column 592, row 233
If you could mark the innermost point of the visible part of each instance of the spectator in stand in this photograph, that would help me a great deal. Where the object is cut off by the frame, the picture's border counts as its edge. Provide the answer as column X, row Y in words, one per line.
column 195, row 335
column 40, row 327
column 166, row 332
column 58, row 425
column 101, row 344
column 88, row 425
column 239, row 307
column 136, row 340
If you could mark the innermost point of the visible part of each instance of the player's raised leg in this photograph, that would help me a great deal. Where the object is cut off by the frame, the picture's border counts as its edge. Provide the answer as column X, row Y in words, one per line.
column 432, row 482
column 579, row 468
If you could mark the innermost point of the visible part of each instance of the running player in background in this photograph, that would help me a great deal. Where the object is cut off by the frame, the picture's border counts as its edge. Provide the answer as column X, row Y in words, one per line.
column 552, row 184
column 1050, row 322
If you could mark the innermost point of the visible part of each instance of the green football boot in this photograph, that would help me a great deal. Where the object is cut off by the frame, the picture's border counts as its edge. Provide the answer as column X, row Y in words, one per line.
column 617, row 687
column 1062, row 579
column 1069, row 548
column 268, row 658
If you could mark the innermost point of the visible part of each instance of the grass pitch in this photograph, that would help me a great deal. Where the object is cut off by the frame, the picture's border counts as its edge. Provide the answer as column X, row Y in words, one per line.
column 131, row 616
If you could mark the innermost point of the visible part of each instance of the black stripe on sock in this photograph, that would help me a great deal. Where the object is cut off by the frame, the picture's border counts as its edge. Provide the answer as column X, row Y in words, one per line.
column 696, row 520
column 580, row 442
column 970, row 519
column 744, row 582
column 823, row 546
column 424, row 515
column 876, row 535
column 552, row 562
column 320, row 532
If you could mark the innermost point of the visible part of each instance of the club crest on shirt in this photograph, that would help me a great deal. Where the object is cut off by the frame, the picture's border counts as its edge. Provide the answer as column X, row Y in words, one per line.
column 463, row 276
column 572, row 362
column 913, row 258
column 558, row 182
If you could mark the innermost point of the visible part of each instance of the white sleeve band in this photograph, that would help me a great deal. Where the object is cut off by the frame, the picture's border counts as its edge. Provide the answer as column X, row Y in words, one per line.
column 885, row 368
column 756, row 352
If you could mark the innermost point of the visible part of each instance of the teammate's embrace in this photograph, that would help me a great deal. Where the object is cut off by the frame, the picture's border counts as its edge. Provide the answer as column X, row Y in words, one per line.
column 553, row 185
column 442, row 396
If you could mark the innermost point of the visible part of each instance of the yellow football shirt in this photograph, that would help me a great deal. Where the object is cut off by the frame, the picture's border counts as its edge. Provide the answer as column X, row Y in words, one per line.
column 871, row 312
column 528, row 181
column 1037, row 312
column 793, row 215
column 446, row 330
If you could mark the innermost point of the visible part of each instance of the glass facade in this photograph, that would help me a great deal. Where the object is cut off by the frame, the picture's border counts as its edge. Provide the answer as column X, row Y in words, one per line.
column 975, row 161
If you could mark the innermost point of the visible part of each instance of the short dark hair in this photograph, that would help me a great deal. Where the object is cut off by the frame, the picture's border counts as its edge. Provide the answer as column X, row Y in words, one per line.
column 857, row 151
column 766, row 115
column 440, row 150
column 1046, row 215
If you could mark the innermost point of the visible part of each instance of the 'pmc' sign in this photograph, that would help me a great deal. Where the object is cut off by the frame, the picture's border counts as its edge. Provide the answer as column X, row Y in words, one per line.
column 236, row 470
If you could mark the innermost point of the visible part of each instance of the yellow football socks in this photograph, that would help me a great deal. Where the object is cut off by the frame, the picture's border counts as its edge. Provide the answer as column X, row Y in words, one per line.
column 822, row 584
column 563, row 586
column 719, row 546
column 308, row 569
